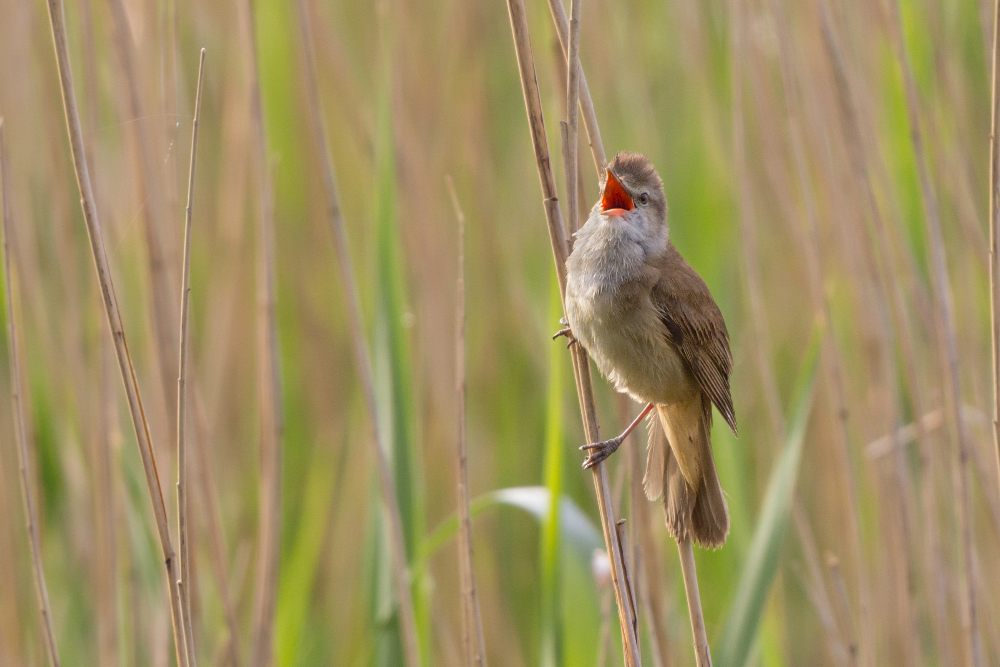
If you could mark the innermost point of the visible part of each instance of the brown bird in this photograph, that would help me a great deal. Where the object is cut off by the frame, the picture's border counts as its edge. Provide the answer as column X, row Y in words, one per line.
column 649, row 322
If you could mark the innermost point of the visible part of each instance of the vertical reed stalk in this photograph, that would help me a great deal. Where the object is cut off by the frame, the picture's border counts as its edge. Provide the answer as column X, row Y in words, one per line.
column 571, row 150
column 268, row 376
column 581, row 362
column 586, row 103
column 945, row 321
column 472, row 628
column 182, row 466
column 411, row 645
column 702, row 656
column 994, row 213
column 27, row 495
column 143, row 439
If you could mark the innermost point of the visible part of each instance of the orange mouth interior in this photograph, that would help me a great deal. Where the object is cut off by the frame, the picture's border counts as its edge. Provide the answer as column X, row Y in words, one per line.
column 615, row 197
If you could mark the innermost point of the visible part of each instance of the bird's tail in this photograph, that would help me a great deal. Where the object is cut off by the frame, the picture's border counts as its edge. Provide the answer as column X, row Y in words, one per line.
column 681, row 468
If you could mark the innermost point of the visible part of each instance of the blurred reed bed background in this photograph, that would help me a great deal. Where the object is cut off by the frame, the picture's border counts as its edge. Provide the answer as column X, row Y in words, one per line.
column 785, row 137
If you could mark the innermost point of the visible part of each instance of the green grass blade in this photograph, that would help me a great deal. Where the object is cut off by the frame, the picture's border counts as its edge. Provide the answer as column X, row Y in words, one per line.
column 764, row 554
column 298, row 577
column 393, row 361
column 577, row 531
column 550, row 543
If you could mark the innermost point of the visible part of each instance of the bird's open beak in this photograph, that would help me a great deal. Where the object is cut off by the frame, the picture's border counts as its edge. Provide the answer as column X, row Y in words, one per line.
column 615, row 200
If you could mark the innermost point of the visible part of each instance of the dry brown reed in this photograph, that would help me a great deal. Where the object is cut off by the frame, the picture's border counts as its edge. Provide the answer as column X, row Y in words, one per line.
column 581, row 362
column 472, row 624
column 702, row 655
column 571, row 145
column 23, row 461
column 143, row 439
column 994, row 248
column 182, row 464
column 586, row 103
column 361, row 354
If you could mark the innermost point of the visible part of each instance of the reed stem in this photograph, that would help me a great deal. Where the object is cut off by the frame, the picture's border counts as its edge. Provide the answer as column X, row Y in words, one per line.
column 472, row 629
column 182, row 465
column 143, row 438
column 581, row 362
column 23, row 462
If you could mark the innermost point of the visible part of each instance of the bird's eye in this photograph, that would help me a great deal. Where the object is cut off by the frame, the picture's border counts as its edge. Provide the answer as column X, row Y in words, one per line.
column 644, row 199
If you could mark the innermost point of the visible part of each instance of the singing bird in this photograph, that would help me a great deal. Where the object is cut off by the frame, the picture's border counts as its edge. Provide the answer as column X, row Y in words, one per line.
column 650, row 323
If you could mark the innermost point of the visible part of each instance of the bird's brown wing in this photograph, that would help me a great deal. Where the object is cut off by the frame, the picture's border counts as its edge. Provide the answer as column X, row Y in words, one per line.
column 696, row 328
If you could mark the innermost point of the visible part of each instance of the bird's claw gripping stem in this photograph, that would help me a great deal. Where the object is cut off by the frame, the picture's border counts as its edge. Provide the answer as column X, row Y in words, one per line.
column 565, row 331
column 598, row 451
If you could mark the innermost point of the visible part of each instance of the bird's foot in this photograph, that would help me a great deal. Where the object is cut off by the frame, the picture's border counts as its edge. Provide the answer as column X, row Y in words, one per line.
column 565, row 331
column 599, row 451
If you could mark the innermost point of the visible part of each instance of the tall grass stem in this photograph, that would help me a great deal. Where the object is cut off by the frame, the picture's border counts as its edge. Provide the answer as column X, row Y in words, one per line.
column 472, row 628
column 994, row 212
column 182, row 465
column 57, row 22
column 581, row 362
column 23, row 461
column 702, row 655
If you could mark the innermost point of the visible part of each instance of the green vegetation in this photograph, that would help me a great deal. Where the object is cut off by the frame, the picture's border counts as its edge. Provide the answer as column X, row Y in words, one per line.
column 412, row 91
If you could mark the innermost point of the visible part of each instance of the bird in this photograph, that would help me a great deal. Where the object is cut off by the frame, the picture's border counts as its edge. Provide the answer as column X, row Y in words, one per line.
column 649, row 322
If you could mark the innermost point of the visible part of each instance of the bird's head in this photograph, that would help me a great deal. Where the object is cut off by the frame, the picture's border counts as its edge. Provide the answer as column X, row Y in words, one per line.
column 632, row 194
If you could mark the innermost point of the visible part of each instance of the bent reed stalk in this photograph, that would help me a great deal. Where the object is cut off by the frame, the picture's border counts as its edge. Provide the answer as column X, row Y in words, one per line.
column 581, row 362
column 57, row 21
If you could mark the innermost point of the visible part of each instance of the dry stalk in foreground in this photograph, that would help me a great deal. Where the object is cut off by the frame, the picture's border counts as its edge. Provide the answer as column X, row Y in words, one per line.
column 994, row 210
column 31, row 521
column 143, row 439
column 268, row 378
column 586, row 103
column 577, row 85
column 182, row 466
column 411, row 646
column 472, row 626
column 571, row 147
column 581, row 362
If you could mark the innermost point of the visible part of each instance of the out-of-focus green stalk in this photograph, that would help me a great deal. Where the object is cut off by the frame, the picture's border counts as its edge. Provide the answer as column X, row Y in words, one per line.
column 393, row 359
column 764, row 556
column 551, row 547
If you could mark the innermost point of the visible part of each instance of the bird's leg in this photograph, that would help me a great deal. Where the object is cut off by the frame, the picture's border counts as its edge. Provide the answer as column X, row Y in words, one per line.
column 565, row 331
column 599, row 451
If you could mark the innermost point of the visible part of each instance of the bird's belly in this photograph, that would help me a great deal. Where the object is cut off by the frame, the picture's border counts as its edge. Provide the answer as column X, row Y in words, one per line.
column 627, row 341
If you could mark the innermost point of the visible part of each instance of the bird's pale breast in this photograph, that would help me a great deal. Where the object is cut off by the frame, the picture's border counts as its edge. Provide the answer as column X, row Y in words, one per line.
column 609, row 309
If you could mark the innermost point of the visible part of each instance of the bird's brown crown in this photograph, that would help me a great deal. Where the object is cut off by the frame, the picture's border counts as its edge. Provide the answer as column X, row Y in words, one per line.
column 638, row 175
column 635, row 170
